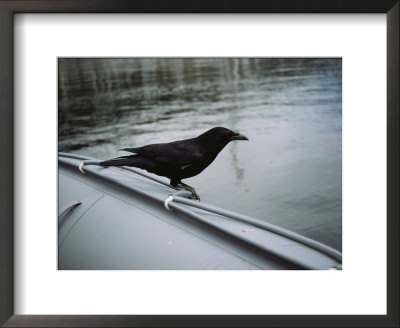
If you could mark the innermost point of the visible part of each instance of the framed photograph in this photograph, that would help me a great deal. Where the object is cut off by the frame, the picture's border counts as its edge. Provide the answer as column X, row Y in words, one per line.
column 283, row 116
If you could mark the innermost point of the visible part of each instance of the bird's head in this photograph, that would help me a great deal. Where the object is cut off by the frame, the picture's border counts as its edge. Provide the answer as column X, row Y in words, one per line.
column 223, row 135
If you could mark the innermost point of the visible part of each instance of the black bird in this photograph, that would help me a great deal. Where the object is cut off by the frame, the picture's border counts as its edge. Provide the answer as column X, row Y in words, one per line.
column 179, row 159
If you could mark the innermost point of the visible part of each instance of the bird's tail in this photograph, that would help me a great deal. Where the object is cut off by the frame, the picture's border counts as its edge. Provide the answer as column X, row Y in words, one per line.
column 119, row 161
column 132, row 150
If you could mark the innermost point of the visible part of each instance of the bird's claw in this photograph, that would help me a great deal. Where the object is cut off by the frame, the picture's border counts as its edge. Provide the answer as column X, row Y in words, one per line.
column 195, row 196
column 188, row 188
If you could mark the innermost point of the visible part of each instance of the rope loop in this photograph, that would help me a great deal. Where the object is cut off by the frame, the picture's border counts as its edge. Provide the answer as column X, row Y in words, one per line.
column 167, row 201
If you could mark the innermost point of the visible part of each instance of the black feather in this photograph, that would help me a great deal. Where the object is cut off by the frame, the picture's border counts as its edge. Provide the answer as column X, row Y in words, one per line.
column 179, row 159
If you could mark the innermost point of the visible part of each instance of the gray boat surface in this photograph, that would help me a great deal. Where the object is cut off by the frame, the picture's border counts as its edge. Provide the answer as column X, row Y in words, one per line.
column 127, row 219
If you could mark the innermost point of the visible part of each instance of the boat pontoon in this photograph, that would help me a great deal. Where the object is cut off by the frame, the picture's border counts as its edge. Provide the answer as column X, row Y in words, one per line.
column 125, row 218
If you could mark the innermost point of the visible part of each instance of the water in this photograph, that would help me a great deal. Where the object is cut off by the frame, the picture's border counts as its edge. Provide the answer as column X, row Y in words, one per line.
column 288, row 174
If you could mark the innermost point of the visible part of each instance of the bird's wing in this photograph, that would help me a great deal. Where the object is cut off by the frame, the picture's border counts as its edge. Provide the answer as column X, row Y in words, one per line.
column 181, row 153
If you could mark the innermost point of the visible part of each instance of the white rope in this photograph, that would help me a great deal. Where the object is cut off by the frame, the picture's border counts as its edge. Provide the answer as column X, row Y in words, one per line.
column 167, row 201
column 81, row 167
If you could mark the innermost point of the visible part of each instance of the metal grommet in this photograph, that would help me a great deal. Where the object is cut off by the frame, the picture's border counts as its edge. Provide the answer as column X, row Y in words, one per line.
column 81, row 167
column 167, row 201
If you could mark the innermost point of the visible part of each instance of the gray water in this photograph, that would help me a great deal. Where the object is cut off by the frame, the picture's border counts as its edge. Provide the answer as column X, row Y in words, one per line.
column 288, row 174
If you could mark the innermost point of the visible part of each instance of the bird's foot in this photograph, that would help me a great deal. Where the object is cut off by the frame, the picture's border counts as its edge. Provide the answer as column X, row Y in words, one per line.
column 191, row 189
column 195, row 196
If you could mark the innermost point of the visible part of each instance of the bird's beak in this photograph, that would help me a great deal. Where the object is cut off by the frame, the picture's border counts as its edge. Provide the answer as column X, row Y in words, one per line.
column 238, row 136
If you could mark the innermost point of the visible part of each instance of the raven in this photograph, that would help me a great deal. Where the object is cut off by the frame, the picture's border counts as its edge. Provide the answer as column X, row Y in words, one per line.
column 179, row 159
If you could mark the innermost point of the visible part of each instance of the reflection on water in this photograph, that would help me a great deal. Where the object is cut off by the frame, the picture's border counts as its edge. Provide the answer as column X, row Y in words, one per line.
column 288, row 174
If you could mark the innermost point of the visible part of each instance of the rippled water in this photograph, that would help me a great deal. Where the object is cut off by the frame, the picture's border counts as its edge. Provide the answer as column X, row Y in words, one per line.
column 289, row 173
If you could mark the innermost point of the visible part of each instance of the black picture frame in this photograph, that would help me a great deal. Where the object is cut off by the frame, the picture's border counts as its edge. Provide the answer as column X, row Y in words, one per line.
column 10, row 7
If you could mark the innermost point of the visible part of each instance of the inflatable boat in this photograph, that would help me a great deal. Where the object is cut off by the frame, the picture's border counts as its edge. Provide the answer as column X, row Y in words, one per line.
column 127, row 219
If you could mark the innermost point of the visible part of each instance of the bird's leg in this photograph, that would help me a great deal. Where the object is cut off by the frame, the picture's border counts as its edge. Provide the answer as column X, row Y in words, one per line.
column 180, row 184
column 174, row 183
column 191, row 189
